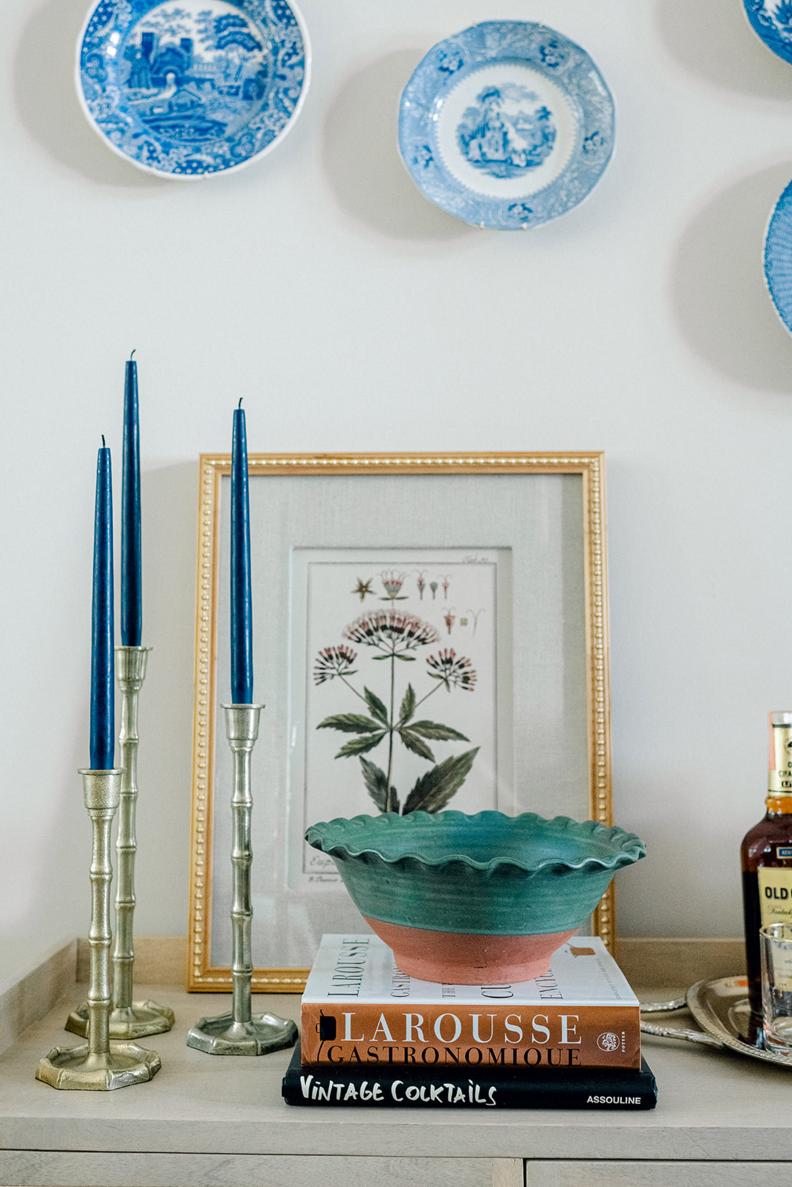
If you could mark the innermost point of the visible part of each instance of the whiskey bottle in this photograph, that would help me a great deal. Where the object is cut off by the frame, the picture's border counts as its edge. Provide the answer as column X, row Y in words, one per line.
column 766, row 855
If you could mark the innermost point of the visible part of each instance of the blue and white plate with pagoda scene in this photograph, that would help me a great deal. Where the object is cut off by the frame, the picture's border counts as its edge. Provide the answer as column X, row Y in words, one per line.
column 778, row 257
column 191, row 88
column 507, row 124
column 771, row 20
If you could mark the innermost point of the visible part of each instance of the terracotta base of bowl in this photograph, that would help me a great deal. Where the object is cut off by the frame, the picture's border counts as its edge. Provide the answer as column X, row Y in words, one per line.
column 463, row 959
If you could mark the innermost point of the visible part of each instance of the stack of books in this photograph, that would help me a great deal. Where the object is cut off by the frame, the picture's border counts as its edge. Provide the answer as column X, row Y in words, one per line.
column 371, row 1035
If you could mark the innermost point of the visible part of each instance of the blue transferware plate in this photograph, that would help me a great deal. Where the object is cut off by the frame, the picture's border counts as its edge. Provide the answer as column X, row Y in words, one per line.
column 778, row 256
column 507, row 124
column 772, row 21
column 194, row 87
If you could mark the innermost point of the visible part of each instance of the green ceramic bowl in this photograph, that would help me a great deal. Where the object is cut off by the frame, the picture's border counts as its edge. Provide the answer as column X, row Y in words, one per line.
column 474, row 898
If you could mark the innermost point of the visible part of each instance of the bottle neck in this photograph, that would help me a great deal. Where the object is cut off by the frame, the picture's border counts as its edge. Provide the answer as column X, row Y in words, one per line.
column 779, row 805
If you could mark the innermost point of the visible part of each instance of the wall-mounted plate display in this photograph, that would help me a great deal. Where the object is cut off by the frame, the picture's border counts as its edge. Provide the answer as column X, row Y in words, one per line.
column 193, row 88
column 507, row 124
column 778, row 257
column 772, row 21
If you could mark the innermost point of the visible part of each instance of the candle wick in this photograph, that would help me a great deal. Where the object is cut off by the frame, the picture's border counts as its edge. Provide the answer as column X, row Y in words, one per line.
column 241, row 398
column 104, row 443
column 132, row 354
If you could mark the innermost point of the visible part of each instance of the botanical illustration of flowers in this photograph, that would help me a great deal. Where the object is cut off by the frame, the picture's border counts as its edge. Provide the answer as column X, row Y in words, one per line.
column 394, row 638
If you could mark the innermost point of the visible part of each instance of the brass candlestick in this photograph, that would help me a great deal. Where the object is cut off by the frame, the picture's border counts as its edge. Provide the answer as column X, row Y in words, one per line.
column 241, row 1032
column 95, row 1065
column 129, row 1019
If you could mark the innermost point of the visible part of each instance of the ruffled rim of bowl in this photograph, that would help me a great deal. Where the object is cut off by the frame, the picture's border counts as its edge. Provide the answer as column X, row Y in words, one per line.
column 333, row 838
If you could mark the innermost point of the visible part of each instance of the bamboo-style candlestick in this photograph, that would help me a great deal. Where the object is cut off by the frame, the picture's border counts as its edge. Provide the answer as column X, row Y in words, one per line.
column 241, row 1032
column 97, row 1065
column 128, row 1019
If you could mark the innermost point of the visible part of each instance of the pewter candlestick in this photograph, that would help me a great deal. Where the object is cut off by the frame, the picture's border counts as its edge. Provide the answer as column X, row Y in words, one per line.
column 129, row 1019
column 96, row 1065
column 241, row 1032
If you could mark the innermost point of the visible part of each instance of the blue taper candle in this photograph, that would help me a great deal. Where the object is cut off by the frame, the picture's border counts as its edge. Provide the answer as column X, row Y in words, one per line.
column 102, row 632
column 241, row 598
column 131, row 563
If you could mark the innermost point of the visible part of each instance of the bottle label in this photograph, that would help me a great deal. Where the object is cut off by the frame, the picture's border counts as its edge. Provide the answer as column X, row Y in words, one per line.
column 775, row 895
column 779, row 780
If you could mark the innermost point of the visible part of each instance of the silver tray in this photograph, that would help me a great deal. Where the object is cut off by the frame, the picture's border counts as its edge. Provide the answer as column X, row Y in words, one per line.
column 721, row 1009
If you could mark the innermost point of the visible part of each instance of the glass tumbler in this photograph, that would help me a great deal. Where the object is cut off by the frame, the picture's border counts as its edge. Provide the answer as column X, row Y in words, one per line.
column 776, row 948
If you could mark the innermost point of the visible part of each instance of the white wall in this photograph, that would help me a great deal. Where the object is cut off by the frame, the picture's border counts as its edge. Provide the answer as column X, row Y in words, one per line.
column 354, row 315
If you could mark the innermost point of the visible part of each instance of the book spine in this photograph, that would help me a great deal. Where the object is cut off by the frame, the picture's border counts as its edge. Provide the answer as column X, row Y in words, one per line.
column 317, row 1086
column 472, row 1036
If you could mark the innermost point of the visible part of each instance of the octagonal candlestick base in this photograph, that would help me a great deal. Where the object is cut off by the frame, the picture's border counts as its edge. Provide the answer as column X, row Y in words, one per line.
column 80, row 1068
column 139, row 1019
column 222, row 1035
column 241, row 1032
column 135, row 1021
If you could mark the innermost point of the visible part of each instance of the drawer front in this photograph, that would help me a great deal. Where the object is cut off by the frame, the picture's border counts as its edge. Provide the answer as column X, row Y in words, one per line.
column 602, row 1173
column 54, row 1168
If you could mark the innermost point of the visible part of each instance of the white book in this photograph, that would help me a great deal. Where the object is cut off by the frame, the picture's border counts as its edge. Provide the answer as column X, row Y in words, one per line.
column 362, row 969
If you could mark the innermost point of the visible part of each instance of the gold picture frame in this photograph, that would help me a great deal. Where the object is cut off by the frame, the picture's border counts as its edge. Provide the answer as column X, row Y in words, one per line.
column 202, row 975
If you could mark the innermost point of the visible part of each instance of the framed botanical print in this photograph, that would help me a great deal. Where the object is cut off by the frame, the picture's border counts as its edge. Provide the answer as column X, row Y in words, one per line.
column 430, row 631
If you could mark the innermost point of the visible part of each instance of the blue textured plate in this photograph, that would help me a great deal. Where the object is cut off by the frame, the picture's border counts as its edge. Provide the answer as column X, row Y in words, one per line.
column 772, row 21
column 195, row 87
column 507, row 124
column 778, row 256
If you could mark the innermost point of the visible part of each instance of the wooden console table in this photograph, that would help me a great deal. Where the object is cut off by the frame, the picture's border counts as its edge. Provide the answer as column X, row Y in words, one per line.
column 211, row 1122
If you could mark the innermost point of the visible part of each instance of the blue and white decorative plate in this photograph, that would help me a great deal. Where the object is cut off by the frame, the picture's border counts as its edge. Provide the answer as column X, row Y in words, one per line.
column 778, row 257
column 192, row 87
column 772, row 21
column 507, row 125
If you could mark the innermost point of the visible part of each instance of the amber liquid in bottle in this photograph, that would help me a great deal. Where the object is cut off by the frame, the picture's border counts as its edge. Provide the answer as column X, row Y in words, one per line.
column 766, row 856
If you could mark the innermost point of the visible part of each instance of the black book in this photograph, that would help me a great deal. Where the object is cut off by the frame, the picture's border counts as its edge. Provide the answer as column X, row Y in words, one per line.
column 400, row 1086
